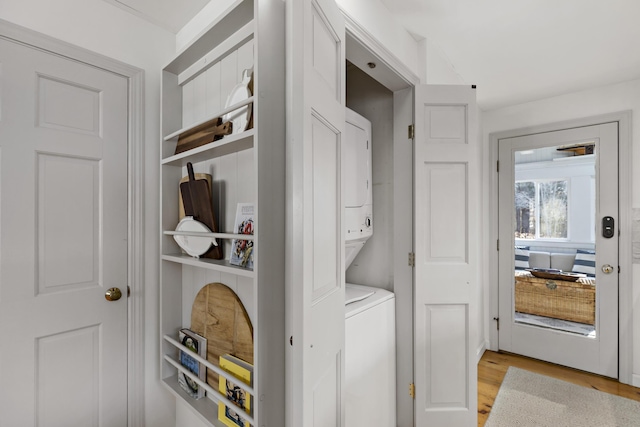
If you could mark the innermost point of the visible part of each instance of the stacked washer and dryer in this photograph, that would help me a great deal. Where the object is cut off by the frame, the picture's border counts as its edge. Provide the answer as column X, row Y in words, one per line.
column 370, row 347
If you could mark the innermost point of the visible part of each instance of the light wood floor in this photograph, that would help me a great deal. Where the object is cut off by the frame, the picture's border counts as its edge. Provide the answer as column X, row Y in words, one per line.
column 493, row 367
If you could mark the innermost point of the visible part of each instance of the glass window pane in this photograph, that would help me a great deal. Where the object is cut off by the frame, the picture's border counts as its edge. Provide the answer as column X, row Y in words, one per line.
column 553, row 209
column 525, row 210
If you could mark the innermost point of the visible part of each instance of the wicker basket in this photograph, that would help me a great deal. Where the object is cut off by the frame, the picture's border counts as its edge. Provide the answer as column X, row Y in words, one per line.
column 574, row 301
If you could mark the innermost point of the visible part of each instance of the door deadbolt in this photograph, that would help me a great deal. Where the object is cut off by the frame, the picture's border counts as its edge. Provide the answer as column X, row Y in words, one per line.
column 113, row 294
column 608, row 227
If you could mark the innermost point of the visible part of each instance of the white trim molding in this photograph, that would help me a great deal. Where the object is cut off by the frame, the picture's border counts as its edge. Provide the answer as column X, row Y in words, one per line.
column 636, row 380
column 136, row 251
column 625, row 301
column 135, row 79
column 361, row 34
column 481, row 349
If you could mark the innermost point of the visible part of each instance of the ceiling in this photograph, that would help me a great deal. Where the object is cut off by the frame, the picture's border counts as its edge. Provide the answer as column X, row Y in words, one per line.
column 523, row 50
column 514, row 51
column 171, row 15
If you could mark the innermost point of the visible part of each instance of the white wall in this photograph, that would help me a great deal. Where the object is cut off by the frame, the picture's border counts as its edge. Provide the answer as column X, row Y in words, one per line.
column 377, row 20
column 102, row 28
column 437, row 70
column 596, row 101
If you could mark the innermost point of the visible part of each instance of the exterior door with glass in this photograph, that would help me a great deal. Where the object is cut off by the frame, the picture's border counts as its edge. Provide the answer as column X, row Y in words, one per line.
column 558, row 254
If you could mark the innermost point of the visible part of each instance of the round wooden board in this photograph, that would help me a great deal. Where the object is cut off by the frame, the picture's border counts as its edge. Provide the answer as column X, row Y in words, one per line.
column 219, row 316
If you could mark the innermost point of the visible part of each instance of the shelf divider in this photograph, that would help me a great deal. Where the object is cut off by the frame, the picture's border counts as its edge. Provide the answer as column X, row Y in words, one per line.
column 227, row 145
column 209, row 365
column 210, row 391
column 213, row 116
column 236, row 39
column 212, row 235
column 205, row 409
column 220, row 265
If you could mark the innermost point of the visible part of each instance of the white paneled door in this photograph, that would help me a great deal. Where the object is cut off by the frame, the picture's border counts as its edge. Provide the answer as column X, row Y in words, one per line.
column 315, row 236
column 446, row 255
column 63, row 241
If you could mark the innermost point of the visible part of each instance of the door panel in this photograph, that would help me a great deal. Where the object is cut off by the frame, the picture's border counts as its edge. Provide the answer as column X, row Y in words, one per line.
column 65, row 181
column 74, row 379
column 63, row 241
column 596, row 351
column 446, row 254
column 315, row 281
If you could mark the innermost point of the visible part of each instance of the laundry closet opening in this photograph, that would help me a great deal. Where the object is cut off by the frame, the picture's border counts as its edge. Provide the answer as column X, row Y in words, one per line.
column 378, row 326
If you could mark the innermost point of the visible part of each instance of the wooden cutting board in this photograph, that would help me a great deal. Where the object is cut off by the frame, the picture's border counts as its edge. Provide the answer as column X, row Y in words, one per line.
column 198, row 175
column 196, row 200
column 219, row 316
column 203, row 134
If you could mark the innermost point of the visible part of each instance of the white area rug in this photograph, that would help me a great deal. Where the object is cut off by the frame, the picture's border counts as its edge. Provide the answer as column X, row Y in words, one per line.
column 528, row 399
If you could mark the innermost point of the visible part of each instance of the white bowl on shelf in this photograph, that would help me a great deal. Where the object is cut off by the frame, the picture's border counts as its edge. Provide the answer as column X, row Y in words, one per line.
column 240, row 117
column 194, row 245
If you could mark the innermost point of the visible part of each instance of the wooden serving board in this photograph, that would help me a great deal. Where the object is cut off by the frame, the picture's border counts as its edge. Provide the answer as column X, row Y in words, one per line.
column 219, row 316
column 203, row 134
column 198, row 175
column 196, row 201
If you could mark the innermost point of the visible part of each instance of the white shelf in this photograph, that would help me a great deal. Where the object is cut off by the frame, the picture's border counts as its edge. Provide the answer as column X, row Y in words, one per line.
column 220, row 265
column 207, row 364
column 218, row 114
column 205, row 408
column 236, row 39
column 212, row 235
column 246, row 167
column 236, row 16
column 211, row 392
column 227, row 145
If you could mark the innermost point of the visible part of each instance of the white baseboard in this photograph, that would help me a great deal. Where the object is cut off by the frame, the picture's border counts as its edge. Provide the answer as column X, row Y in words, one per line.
column 480, row 351
column 635, row 380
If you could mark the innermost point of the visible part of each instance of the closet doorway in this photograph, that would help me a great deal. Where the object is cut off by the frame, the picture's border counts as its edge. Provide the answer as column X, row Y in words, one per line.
column 380, row 94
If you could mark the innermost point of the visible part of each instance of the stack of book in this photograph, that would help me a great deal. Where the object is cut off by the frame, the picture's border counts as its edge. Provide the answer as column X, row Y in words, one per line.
column 242, row 251
column 197, row 344
column 243, row 373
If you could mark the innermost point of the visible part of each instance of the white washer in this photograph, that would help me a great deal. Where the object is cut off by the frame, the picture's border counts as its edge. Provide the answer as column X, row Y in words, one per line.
column 370, row 357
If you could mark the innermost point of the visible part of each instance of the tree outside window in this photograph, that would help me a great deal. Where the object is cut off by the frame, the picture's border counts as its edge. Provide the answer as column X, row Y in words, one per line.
column 525, row 210
column 541, row 210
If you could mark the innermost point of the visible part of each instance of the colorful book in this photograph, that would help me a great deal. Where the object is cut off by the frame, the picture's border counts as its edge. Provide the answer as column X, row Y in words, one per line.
column 197, row 344
column 242, row 251
column 233, row 390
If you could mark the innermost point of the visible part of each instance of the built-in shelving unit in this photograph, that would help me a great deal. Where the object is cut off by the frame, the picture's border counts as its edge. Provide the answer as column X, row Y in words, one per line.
column 248, row 166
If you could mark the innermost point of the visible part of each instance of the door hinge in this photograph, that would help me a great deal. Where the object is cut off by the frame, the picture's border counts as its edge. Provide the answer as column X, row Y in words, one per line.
column 412, row 390
column 497, row 319
column 412, row 259
column 412, row 132
column 498, row 166
column 498, row 244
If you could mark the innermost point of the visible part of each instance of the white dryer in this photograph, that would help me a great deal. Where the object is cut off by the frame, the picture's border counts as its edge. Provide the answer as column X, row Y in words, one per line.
column 370, row 357
column 358, row 184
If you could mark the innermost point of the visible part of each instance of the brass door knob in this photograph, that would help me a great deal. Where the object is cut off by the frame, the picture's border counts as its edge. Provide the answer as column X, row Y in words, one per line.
column 113, row 294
